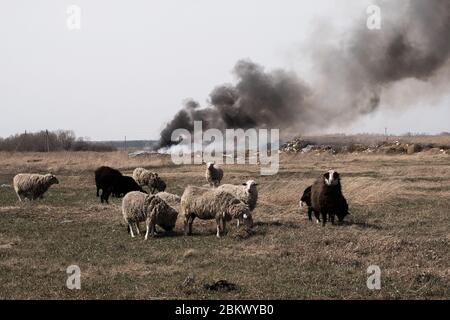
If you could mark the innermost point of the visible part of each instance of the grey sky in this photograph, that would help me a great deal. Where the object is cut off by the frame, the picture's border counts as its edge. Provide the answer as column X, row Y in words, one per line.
column 128, row 69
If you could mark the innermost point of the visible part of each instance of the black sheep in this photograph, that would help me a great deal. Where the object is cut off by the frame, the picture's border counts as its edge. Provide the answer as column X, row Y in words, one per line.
column 327, row 198
column 343, row 209
column 102, row 172
column 118, row 185
column 306, row 200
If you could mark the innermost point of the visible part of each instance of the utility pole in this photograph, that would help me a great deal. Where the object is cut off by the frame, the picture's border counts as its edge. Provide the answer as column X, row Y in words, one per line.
column 47, row 142
column 125, row 143
column 385, row 133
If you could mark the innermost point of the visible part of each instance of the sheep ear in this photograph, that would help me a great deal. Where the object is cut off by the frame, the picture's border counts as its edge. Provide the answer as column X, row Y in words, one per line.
column 244, row 184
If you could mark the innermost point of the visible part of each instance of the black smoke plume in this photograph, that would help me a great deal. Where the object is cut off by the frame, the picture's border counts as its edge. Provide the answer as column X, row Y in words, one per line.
column 259, row 99
column 351, row 77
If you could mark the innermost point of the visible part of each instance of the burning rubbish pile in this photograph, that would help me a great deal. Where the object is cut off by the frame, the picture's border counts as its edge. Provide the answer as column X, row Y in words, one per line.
column 300, row 145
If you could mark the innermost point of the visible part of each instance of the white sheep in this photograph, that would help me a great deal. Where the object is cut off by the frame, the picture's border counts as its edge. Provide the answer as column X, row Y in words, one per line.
column 138, row 207
column 213, row 174
column 247, row 193
column 208, row 204
column 33, row 186
column 145, row 177
column 172, row 199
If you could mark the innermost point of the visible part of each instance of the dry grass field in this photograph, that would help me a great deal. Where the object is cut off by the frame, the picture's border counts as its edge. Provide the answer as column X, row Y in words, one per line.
column 399, row 221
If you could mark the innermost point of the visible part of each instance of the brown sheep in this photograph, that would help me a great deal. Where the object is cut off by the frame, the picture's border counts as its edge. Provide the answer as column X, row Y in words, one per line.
column 327, row 198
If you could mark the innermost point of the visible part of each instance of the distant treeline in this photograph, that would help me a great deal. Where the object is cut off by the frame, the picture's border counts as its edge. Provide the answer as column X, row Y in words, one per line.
column 43, row 141
column 134, row 144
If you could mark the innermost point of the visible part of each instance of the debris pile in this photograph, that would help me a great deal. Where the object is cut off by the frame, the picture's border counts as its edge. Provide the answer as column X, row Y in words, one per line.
column 296, row 145
column 299, row 145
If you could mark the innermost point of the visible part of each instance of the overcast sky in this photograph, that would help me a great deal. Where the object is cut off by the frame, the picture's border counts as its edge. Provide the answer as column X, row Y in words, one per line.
column 128, row 69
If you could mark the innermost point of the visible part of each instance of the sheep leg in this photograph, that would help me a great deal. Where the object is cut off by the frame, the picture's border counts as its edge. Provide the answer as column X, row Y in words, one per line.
column 218, row 232
column 130, row 228
column 151, row 227
column 219, row 221
column 148, row 228
column 332, row 218
column 105, row 196
column 191, row 221
column 316, row 215
column 188, row 221
column 218, row 227
column 324, row 219
column 136, row 224
column 186, row 225
column 310, row 214
column 224, row 225
column 18, row 196
column 102, row 196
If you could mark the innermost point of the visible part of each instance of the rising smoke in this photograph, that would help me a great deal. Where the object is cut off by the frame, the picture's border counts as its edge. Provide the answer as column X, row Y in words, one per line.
column 352, row 77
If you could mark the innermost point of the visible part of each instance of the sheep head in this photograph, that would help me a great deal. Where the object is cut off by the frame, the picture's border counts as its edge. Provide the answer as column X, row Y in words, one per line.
column 242, row 211
column 51, row 179
column 167, row 228
column 157, row 183
column 250, row 186
column 331, row 178
column 342, row 215
column 171, row 218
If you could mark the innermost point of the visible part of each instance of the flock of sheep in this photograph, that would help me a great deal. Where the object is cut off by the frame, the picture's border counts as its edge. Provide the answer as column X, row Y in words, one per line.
column 212, row 201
